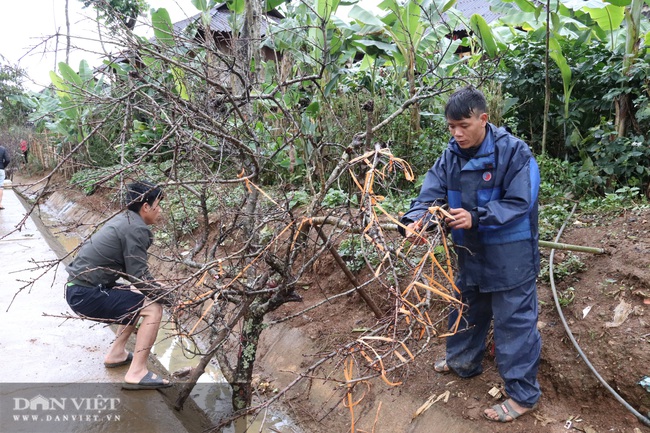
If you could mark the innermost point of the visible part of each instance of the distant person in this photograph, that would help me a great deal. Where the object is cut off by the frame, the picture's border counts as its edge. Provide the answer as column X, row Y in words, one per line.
column 490, row 181
column 119, row 249
column 4, row 162
column 24, row 149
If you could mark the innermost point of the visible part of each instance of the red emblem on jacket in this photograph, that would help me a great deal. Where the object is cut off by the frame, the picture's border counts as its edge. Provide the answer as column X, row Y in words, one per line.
column 487, row 176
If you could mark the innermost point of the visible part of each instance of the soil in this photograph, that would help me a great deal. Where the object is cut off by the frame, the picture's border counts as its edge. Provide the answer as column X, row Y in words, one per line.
column 572, row 396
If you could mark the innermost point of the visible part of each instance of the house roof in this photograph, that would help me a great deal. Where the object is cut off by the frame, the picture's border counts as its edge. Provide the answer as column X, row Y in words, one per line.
column 219, row 20
column 218, row 24
column 481, row 7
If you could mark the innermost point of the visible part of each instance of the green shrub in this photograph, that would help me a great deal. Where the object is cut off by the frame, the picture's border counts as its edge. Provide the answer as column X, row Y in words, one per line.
column 298, row 198
column 570, row 266
column 395, row 203
column 335, row 198
column 87, row 179
column 354, row 252
column 614, row 161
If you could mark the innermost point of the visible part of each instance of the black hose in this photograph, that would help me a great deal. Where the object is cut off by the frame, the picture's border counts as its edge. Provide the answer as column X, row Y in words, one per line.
column 641, row 417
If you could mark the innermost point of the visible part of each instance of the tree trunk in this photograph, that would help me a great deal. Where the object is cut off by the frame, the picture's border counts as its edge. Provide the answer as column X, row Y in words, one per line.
column 623, row 113
column 624, row 102
column 415, row 108
column 242, row 390
column 67, row 38
column 547, row 81
column 251, row 34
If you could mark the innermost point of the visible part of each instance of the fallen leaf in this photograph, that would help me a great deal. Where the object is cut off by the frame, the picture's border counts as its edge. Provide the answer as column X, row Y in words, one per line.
column 621, row 313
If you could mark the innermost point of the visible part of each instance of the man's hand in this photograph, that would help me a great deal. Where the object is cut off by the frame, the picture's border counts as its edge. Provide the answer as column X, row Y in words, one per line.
column 462, row 219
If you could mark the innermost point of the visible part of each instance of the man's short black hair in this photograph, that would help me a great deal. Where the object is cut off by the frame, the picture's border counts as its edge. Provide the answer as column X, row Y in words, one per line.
column 464, row 103
column 141, row 192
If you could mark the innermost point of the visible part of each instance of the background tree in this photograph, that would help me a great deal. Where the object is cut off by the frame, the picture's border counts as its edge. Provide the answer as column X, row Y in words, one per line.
column 12, row 110
column 122, row 12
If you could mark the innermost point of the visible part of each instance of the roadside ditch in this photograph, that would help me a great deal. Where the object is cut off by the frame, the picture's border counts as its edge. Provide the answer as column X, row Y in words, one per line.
column 64, row 224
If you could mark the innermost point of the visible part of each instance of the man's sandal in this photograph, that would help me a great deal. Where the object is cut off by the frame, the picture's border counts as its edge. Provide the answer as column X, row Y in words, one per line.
column 148, row 382
column 127, row 361
column 505, row 412
column 441, row 366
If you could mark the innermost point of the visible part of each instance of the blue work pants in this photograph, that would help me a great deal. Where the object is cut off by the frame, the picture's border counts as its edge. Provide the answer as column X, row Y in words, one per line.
column 518, row 343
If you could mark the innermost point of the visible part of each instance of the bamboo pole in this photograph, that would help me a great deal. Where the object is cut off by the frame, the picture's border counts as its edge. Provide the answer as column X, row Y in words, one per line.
column 577, row 248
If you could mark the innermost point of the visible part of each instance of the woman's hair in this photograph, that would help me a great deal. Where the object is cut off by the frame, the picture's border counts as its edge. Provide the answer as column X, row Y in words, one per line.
column 464, row 103
column 141, row 192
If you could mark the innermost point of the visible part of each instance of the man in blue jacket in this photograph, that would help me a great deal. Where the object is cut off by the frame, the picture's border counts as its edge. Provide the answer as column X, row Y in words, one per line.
column 490, row 181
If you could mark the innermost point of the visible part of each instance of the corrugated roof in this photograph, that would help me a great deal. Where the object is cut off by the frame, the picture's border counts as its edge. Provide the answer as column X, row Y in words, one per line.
column 467, row 8
column 219, row 22
column 481, row 7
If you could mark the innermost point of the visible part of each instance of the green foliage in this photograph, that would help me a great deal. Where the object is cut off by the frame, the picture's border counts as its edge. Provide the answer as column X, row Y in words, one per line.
column 424, row 149
column 112, row 12
column 566, row 297
column 355, row 252
column 561, row 184
column 623, row 198
column 144, row 136
column 65, row 112
column 13, row 109
column 337, row 197
column 87, row 179
column 595, row 78
column 569, row 266
column 615, row 161
column 551, row 218
column 162, row 26
column 395, row 203
column 184, row 206
column 480, row 27
column 183, row 210
column 561, row 180
column 298, row 198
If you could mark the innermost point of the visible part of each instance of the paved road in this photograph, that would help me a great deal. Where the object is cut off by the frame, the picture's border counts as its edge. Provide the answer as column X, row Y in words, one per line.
column 52, row 377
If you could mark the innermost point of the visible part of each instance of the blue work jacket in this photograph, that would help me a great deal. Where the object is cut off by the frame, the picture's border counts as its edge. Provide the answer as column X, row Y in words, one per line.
column 499, row 187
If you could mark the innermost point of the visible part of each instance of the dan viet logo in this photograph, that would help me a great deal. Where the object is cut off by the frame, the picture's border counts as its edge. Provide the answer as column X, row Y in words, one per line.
column 42, row 408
